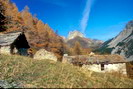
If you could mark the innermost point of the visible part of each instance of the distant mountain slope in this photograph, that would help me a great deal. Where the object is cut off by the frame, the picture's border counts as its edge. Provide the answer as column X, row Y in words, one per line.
column 75, row 36
column 123, row 43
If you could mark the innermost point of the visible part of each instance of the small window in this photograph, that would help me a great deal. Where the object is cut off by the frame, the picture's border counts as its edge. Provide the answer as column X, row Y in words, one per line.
column 102, row 67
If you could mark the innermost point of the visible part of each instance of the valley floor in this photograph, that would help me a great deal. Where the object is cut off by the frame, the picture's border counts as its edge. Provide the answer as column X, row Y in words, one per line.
column 32, row 73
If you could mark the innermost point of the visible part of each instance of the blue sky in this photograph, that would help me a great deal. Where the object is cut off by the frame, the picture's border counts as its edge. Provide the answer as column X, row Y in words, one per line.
column 97, row 19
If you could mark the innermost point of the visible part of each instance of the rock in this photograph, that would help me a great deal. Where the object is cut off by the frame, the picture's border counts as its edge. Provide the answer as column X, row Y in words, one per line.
column 5, row 84
column 74, row 34
column 43, row 54
column 91, row 54
column 65, row 54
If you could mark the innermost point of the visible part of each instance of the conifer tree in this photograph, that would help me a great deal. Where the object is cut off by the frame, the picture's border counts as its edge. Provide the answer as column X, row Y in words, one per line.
column 77, row 49
column 47, row 41
column 2, row 17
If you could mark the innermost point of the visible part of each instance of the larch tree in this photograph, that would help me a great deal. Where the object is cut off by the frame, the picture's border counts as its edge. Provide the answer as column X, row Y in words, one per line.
column 39, row 34
column 77, row 48
column 47, row 41
column 2, row 17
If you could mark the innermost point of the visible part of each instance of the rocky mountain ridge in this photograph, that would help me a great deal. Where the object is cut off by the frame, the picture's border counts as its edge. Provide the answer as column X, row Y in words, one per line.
column 73, row 34
column 123, row 43
column 76, row 36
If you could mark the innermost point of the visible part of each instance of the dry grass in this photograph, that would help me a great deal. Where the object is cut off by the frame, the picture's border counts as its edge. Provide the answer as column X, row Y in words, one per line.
column 48, row 74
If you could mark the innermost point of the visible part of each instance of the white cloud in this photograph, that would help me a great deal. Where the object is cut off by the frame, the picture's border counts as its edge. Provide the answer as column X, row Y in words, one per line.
column 86, row 15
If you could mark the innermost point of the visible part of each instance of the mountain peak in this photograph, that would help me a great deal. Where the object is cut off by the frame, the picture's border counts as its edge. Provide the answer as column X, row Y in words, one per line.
column 75, row 33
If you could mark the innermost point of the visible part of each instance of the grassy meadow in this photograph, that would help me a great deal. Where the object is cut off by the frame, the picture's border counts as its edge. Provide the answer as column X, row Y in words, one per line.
column 49, row 74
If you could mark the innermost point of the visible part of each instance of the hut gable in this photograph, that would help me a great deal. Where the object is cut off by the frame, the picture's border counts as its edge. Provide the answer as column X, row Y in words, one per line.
column 14, row 43
column 8, row 38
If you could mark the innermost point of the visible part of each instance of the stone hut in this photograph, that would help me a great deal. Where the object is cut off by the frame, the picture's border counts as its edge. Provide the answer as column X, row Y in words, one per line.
column 98, row 63
column 14, row 43
column 129, row 67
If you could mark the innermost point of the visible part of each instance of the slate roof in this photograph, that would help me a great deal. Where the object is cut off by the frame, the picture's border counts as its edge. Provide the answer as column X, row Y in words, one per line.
column 107, row 59
column 97, row 59
column 9, row 38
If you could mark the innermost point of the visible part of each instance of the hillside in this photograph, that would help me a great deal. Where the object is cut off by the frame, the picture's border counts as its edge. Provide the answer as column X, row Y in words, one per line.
column 38, row 34
column 31, row 73
column 121, row 44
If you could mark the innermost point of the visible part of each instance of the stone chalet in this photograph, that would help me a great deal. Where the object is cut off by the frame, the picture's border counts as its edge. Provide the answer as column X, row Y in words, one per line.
column 98, row 63
column 14, row 43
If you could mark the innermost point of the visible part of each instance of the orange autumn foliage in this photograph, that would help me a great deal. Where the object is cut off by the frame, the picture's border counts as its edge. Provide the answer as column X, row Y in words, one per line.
column 38, row 34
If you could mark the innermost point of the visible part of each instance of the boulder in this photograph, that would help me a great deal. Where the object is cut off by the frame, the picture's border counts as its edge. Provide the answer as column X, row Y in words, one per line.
column 43, row 54
column 5, row 84
column 91, row 54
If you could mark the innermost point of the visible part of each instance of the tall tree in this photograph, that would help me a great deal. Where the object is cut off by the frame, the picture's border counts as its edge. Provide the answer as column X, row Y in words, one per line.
column 47, row 41
column 77, row 49
column 2, row 17
column 38, row 34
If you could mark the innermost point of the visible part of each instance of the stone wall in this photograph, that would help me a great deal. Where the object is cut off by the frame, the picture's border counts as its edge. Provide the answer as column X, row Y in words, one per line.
column 129, row 67
column 120, row 67
column 5, row 50
column 67, row 59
